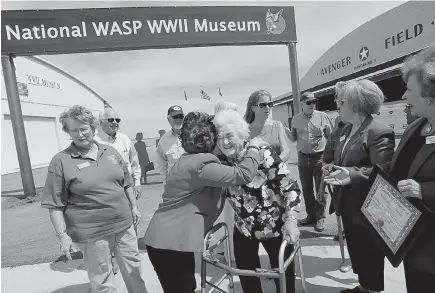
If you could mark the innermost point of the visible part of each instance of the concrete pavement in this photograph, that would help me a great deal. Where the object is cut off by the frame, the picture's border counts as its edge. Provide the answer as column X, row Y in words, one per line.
column 321, row 259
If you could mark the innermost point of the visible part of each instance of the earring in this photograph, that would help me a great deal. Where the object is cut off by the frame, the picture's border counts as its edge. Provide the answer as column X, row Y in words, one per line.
column 430, row 102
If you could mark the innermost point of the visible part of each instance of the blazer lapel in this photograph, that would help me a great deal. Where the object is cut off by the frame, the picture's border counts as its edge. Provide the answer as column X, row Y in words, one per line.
column 356, row 136
column 404, row 140
column 420, row 158
column 339, row 148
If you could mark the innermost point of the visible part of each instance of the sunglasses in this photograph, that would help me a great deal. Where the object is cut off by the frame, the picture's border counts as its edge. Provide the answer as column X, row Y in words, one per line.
column 178, row 116
column 311, row 102
column 264, row 105
column 111, row 120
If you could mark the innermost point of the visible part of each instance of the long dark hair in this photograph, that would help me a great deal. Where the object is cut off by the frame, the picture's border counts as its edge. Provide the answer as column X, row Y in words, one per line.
column 253, row 100
column 198, row 133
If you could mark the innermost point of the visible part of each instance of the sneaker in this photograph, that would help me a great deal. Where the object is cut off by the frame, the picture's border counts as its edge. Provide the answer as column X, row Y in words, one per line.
column 355, row 290
column 307, row 221
column 320, row 225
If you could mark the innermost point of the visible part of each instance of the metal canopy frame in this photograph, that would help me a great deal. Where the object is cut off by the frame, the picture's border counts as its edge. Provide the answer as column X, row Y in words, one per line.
column 14, row 102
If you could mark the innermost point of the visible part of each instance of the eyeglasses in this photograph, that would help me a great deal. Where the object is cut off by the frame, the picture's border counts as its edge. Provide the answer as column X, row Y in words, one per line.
column 310, row 102
column 339, row 102
column 111, row 120
column 178, row 116
column 264, row 105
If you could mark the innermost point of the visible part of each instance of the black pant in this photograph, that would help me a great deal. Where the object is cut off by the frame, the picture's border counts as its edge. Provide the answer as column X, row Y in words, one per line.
column 246, row 253
column 367, row 258
column 175, row 269
column 311, row 167
column 418, row 281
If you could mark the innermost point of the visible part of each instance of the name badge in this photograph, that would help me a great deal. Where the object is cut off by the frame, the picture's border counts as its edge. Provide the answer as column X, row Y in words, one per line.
column 342, row 138
column 430, row 139
column 83, row 165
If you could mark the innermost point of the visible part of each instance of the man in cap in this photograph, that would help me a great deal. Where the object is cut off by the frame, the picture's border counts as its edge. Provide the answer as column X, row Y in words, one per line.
column 311, row 129
column 169, row 149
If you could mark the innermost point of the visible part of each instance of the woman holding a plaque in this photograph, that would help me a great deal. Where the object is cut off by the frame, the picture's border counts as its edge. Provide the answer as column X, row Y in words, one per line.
column 362, row 144
column 413, row 167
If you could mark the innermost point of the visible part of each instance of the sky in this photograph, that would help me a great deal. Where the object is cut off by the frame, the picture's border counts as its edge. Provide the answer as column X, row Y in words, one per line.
column 141, row 85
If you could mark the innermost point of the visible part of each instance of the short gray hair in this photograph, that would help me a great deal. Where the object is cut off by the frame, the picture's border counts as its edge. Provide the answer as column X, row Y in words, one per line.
column 103, row 114
column 224, row 105
column 423, row 66
column 80, row 113
column 231, row 117
column 364, row 96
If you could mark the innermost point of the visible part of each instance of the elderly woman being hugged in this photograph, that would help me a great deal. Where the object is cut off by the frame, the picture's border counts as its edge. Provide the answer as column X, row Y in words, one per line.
column 362, row 143
column 264, row 207
column 88, row 192
column 192, row 202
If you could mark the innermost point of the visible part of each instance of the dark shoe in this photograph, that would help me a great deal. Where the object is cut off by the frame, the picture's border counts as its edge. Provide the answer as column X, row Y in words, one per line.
column 307, row 221
column 320, row 225
column 336, row 238
column 354, row 290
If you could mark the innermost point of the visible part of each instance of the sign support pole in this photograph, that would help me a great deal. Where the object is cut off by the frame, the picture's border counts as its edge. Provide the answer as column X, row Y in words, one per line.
column 294, row 73
column 18, row 125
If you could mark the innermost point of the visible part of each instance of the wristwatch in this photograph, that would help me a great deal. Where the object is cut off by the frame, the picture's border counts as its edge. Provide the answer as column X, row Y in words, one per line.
column 59, row 234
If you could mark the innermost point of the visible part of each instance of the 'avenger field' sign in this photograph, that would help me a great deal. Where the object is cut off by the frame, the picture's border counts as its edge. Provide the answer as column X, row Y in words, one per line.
column 85, row 30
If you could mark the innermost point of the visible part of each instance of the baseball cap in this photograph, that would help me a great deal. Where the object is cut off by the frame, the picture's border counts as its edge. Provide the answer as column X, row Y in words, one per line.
column 175, row 110
column 307, row 96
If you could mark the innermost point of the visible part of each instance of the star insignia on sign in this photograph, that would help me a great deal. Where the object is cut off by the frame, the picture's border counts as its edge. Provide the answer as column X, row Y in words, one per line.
column 364, row 53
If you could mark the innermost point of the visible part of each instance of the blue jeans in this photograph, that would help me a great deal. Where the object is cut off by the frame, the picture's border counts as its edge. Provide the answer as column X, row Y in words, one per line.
column 310, row 167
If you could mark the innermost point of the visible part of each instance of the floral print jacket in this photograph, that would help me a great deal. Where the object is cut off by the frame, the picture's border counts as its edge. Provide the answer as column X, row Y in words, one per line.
column 260, row 205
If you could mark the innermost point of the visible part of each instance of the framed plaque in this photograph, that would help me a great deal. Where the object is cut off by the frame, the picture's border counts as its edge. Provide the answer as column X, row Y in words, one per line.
column 396, row 220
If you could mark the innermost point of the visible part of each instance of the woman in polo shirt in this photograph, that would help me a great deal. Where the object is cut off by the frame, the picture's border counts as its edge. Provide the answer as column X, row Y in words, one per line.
column 91, row 203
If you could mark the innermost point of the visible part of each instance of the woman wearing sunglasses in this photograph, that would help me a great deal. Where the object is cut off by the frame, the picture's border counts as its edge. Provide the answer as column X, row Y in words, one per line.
column 258, row 115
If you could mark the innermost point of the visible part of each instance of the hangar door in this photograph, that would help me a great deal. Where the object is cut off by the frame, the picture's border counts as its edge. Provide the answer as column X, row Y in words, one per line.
column 41, row 138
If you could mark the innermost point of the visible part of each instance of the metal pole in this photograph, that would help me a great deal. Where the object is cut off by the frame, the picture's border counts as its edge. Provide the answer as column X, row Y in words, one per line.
column 294, row 72
column 18, row 125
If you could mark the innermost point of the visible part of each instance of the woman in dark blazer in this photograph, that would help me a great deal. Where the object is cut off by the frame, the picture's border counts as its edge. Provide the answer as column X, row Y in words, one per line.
column 192, row 202
column 362, row 143
column 413, row 166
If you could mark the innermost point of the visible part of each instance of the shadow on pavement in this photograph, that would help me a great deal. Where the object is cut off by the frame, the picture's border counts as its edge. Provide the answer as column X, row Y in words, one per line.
column 62, row 264
column 152, row 183
column 323, row 275
column 79, row 288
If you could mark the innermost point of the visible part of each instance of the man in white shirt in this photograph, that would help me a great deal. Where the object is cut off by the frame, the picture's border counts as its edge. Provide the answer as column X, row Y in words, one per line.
column 169, row 149
column 108, row 134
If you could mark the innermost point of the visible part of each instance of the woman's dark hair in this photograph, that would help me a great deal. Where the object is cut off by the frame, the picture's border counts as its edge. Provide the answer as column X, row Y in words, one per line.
column 253, row 100
column 198, row 133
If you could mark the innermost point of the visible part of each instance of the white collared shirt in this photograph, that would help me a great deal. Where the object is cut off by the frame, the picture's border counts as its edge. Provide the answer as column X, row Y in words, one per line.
column 169, row 150
column 123, row 144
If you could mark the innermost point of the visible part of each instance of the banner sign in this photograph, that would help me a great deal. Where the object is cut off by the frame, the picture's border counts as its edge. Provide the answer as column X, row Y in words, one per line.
column 35, row 32
column 401, row 31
